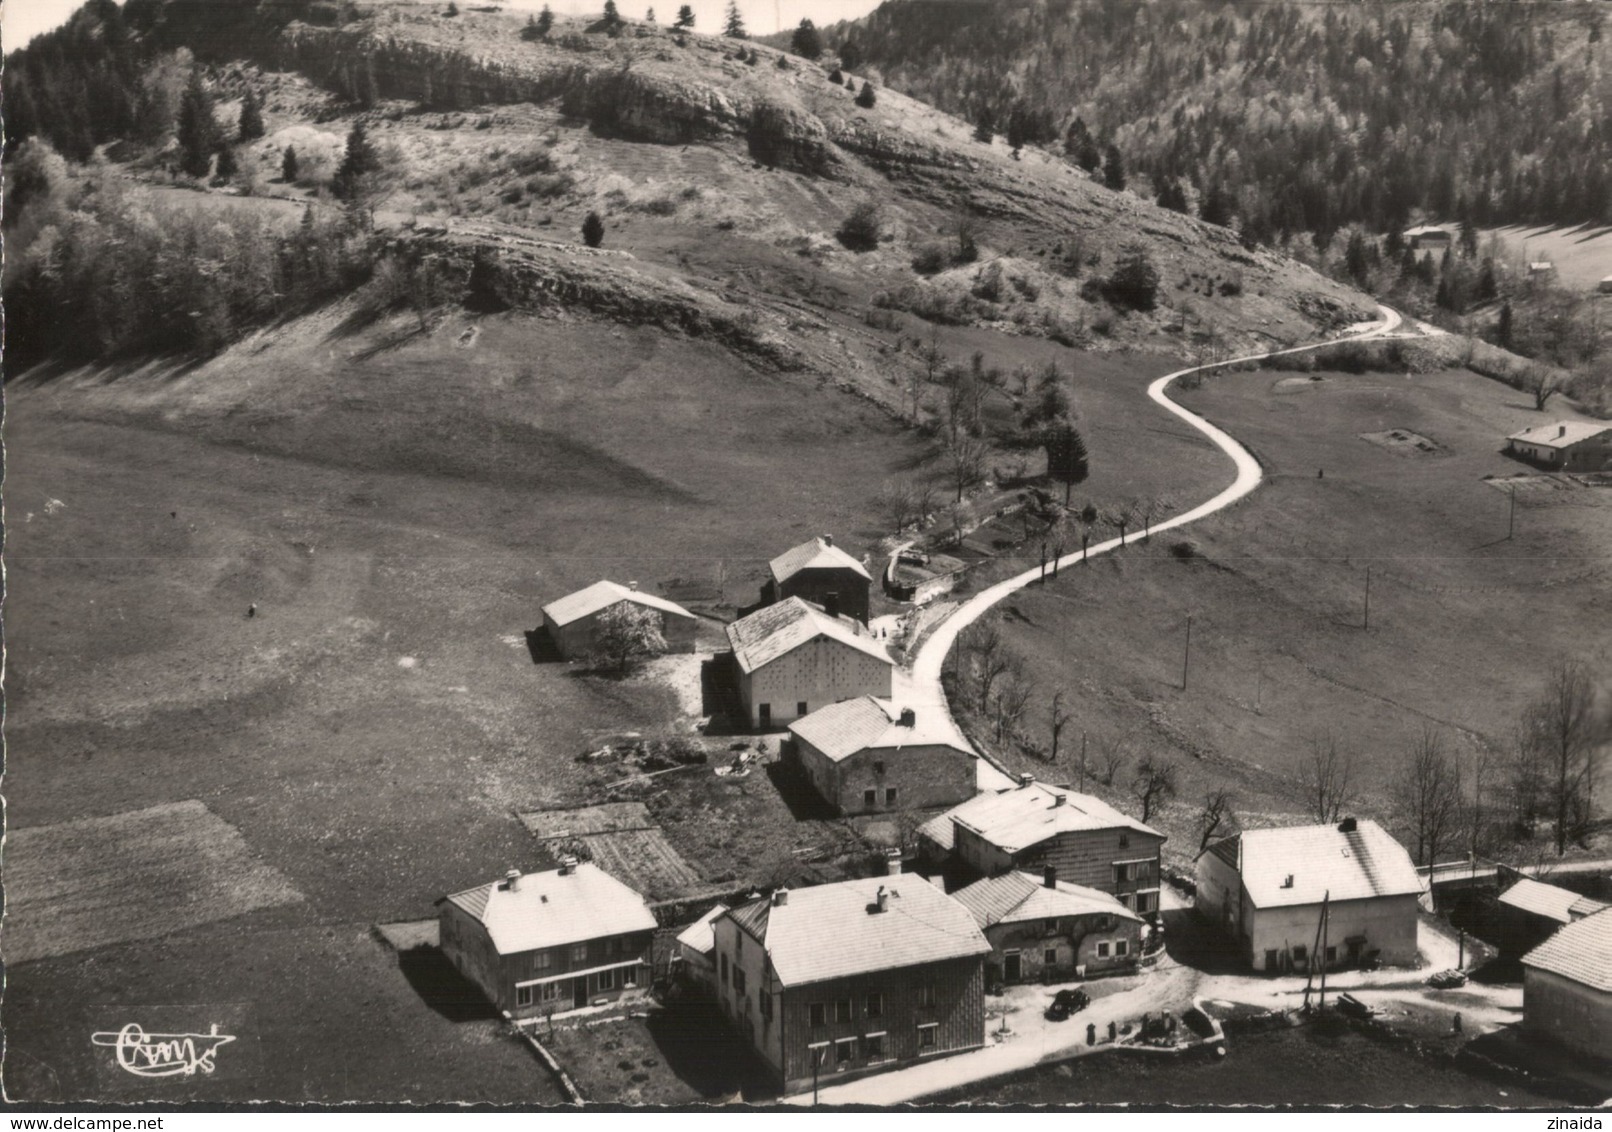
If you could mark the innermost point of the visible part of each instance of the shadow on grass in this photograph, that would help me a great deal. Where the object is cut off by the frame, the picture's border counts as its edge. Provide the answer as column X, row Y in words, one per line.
column 441, row 987
column 796, row 790
column 701, row 1048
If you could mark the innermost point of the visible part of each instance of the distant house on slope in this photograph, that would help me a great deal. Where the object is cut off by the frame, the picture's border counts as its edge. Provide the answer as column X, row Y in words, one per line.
column 1033, row 826
column 1567, row 987
column 549, row 942
column 1050, row 930
column 842, row 980
column 1565, row 446
column 866, row 755
column 1530, row 911
column 573, row 621
column 1605, row 286
column 1264, row 888
column 1427, row 237
column 793, row 658
column 822, row 574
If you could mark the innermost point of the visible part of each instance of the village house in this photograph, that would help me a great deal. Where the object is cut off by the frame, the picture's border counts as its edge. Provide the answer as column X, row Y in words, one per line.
column 573, row 621
column 822, row 574
column 1567, row 987
column 1565, row 446
column 1605, row 286
column 846, row 979
column 1032, row 826
column 794, row 658
column 696, row 952
column 866, row 755
column 1530, row 912
column 1050, row 930
column 549, row 942
column 1264, row 888
column 1427, row 237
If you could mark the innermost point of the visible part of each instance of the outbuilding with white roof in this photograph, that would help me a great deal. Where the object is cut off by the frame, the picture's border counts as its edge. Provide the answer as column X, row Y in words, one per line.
column 1565, row 446
column 572, row 622
column 867, row 755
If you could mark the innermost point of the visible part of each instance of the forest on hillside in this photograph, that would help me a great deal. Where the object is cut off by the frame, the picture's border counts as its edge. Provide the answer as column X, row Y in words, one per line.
column 1282, row 118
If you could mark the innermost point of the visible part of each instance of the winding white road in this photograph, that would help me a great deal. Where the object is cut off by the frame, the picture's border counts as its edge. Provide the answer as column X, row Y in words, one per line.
column 919, row 686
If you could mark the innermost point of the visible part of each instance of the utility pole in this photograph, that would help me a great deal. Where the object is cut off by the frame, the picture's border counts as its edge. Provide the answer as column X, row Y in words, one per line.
column 1511, row 518
column 1186, row 656
column 1082, row 760
column 1326, row 898
column 1367, row 624
column 1259, row 690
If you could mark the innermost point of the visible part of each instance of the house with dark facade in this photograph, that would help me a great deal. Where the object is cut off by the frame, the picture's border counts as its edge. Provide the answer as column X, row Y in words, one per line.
column 1531, row 911
column 1047, row 930
column 549, row 942
column 1265, row 887
column 866, row 755
column 822, row 574
column 1427, row 237
column 1087, row 842
column 1565, row 446
column 794, row 658
column 1567, row 988
column 572, row 622
column 842, row 980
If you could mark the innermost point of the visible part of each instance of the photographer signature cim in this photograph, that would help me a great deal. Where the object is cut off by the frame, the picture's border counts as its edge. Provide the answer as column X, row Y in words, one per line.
column 163, row 1055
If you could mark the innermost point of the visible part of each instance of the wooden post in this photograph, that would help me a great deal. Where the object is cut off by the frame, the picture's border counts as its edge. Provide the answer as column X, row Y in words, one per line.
column 1082, row 760
column 1511, row 518
column 1186, row 656
column 1325, row 917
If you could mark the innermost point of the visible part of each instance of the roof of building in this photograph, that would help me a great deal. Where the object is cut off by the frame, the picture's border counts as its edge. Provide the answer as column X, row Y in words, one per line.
column 1027, row 815
column 1014, row 898
column 774, row 630
column 1302, row 864
column 1427, row 230
column 1562, row 434
column 602, row 595
column 1581, row 951
column 869, row 723
column 555, row 908
column 815, row 554
column 699, row 935
column 832, row 931
column 1547, row 900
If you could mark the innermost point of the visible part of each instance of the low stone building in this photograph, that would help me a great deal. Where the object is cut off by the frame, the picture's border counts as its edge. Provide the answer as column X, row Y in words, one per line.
column 572, row 622
column 549, row 942
column 1049, row 930
column 1264, row 888
column 794, row 658
column 866, row 756
column 1567, row 987
column 1565, row 446
column 823, row 574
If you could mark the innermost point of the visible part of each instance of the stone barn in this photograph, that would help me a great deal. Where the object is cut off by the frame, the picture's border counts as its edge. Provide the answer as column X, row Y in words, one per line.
column 866, row 755
column 1049, row 931
column 573, row 621
column 794, row 658
column 822, row 574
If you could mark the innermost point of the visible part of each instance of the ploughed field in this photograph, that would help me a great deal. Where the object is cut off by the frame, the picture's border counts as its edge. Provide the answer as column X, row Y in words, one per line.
column 1374, row 471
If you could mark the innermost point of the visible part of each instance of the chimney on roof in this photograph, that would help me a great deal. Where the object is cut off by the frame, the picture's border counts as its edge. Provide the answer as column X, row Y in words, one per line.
column 510, row 879
column 909, row 718
column 1347, row 825
column 892, row 862
column 1287, row 881
column 1049, row 877
column 1026, row 779
column 568, row 865
column 632, row 585
column 780, row 898
column 1059, row 799
column 881, row 900
column 1561, row 431
column 828, row 540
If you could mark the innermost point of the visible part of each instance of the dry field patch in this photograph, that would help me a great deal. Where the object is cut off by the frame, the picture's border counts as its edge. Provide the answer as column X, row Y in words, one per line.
column 83, row 884
column 623, row 840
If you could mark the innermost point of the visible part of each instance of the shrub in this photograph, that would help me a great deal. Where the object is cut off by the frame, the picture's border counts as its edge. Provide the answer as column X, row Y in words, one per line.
column 931, row 259
column 988, row 283
column 867, row 98
column 593, row 230
column 860, row 230
column 1185, row 549
column 1134, row 282
column 836, row 77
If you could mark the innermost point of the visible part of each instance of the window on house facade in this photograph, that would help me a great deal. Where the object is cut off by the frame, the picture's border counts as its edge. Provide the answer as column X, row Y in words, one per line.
column 523, row 996
column 579, row 953
column 926, row 994
column 890, row 796
column 1050, row 957
column 845, row 1050
column 800, row 708
column 929, row 1035
column 724, row 965
column 1124, row 873
column 550, row 992
column 1300, row 953
column 1124, row 841
column 870, row 797
column 1121, row 946
column 542, row 960
column 738, row 979
column 875, row 1047
column 1102, row 950
column 842, row 1010
column 875, row 1004
column 1052, row 927
column 878, row 766
column 815, row 1014
column 607, row 980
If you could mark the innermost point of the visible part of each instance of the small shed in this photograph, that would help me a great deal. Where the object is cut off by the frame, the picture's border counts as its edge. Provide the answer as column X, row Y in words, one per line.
column 573, row 621
column 1530, row 912
column 696, row 952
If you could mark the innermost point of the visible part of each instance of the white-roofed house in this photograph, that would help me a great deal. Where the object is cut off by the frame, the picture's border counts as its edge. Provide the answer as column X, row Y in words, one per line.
column 845, row 979
column 1032, row 826
column 549, row 942
column 794, row 658
column 573, row 621
column 822, row 574
column 866, row 755
column 1427, row 237
column 1050, row 930
column 1565, row 446
column 1567, row 987
column 696, row 951
column 1530, row 911
column 1264, row 888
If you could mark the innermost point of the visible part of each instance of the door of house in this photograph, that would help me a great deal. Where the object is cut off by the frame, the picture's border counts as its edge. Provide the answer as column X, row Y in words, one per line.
column 1012, row 967
column 765, row 712
column 579, row 992
column 1354, row 951
column 1270, row 961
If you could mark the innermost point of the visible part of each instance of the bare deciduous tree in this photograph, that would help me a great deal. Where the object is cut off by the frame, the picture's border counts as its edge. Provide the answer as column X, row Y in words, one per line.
column 1215, row 817
column 1013, row 695
column 1153, row 784
column 1542, row 383
column 1428, row 790
column 1111, row 755
column 1328, row 779
column 1060, row 719
column 1563, row 731
column 965, row 460
column 897, row 502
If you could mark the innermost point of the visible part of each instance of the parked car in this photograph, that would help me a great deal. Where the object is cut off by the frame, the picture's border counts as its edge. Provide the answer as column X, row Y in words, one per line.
column 1447, row 980
column 1067, row 1002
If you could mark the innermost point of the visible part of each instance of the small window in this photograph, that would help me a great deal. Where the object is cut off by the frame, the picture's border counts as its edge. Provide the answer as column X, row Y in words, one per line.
column 1050, row 957
column 738, row 947
column 610, row 946
column 875, row 1004
column 579, row 953
column 875, row 1047
column 842, row 1010
column 1147, row 902
column 1052, row 927
column 845, row 1050
column 1121, row 946
column 878, row 766
column 929, row 1035
column 890, row 796
column 607, row 980
column 1123, row 873
column 523, row 996
column 1102, row 950
column 1300, row 953
column 738, row 978
column 724, row 963
column 926, row 994
column 870, row 797
column 800, row 708
column 815, row 1014
column 551, row 992
column 541, row 960
column 1332, row 955
column 766, row 1007
column 1124, row 841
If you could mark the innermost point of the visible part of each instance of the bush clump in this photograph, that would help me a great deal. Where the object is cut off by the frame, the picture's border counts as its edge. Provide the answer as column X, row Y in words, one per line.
column 860, row 230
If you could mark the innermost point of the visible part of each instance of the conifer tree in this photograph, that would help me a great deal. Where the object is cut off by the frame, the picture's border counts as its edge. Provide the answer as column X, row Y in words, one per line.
column 357, row 164
column 867, row 97
column 733, row 26
column 685, row 18
column 288, row 165
column 806, row 42
column 593, row 230
column 850, row 55
column 251, row 124
column 612, row 18
column 227, row 165
column 1114, row 169
column 198, row 131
